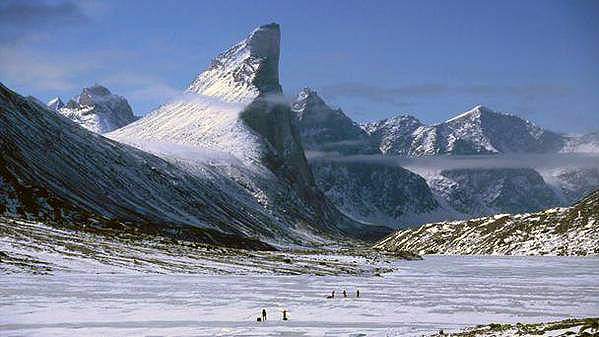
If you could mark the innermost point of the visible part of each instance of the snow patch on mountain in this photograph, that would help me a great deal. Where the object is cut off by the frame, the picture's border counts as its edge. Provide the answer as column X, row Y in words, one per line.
column 477, row 131
column 588, row 143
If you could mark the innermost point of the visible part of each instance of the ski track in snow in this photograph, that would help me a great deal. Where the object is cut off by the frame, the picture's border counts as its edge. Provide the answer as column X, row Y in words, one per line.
column 440, row 292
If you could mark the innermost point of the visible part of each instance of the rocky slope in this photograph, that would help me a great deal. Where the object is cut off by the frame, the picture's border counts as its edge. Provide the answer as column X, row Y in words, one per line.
column 34, row 247
column 558, row 231
column 51, row 169
column 366, row 190
column 583, row 327
column 96, row 109
column 375, row 193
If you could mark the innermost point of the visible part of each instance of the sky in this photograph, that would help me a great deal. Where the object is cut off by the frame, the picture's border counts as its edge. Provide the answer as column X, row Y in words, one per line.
column 373, row 59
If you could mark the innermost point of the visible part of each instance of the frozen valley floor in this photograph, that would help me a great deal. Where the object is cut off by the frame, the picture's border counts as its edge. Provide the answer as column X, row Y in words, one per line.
column 149, row 290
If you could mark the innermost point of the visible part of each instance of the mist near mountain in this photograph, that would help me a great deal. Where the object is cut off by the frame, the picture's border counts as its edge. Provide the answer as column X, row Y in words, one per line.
column 540, row 161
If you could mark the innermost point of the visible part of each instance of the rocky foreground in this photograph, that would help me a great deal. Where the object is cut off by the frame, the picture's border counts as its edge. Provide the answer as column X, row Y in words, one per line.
column 558, row 231
column 569, row 327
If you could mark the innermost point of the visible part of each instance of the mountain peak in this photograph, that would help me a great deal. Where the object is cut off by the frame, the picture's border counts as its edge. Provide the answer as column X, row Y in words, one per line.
column 481, row 108
column 96, row 90
column 264, row 41
column 55, row 103
column 246, row 70
column 96, row 109
column 308, row 98
column 477, row 111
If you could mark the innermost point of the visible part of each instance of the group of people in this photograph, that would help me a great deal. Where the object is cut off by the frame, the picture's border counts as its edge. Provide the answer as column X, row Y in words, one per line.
column 263, row 318
column 332, row 295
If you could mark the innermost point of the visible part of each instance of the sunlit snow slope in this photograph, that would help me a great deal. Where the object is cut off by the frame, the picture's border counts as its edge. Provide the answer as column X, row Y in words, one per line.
column 50, row 165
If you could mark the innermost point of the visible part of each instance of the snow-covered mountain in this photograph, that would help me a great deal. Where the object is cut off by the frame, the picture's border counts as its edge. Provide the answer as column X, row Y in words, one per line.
column 235, row 109
column 246, row 175
column 479, row 130
column 96, row 109
column 53, row 169
column 228, row 158
column 365, row 190
column 483, row 131
column 396, row 134
column 558, row 231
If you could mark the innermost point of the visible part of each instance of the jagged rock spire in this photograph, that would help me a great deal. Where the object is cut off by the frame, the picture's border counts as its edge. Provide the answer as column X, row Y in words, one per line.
column 244, row 71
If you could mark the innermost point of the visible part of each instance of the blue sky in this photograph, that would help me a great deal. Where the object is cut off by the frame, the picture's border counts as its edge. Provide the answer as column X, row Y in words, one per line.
column 374, row 59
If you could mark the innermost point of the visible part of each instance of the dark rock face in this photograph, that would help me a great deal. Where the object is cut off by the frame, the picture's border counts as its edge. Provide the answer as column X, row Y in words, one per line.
column 488, row 191
column 264, row 44
column 285, row 158
column 373, row 192
column 328, row 130
column 364, row 189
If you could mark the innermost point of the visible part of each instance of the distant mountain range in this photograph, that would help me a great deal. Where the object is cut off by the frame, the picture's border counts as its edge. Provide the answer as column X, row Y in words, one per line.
column 478, row 131
column 370, row 188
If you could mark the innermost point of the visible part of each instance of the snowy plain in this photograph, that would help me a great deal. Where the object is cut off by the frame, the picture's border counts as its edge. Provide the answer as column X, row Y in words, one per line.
column 421, row 297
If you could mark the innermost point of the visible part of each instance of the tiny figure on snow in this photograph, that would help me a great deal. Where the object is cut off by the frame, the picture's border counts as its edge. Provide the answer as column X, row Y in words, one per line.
column 264, row 314
column 344, row 293
column 284, row 314
column 332, row 295
column 358, row 293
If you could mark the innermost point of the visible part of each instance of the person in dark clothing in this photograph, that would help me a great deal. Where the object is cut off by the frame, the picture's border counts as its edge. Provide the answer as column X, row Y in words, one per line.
column 284, row 314
column 358, row 293
column 264, row 314
column 332, row 295
column 344, row 293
